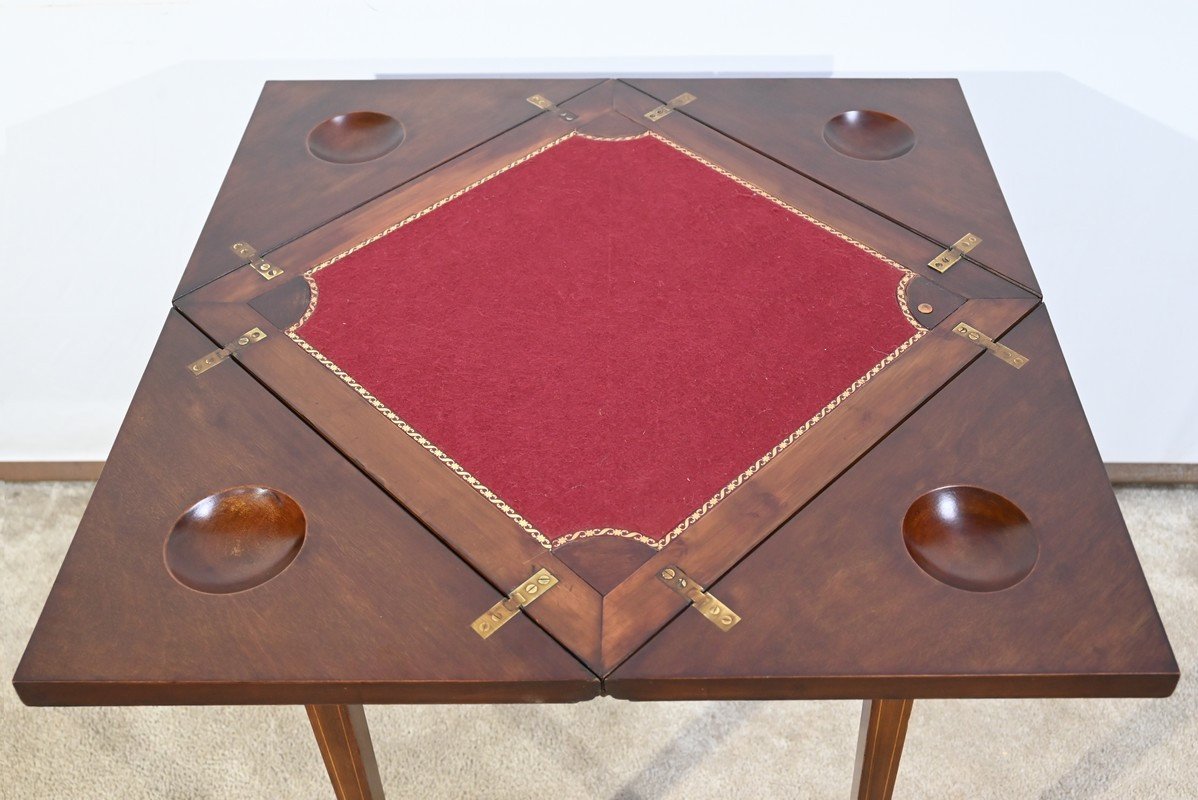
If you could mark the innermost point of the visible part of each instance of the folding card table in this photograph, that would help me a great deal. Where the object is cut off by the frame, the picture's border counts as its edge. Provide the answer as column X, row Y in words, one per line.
column 536, row 390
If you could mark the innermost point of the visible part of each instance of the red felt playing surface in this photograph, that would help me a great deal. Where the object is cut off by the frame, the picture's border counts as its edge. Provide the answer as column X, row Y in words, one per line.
column 609, row 335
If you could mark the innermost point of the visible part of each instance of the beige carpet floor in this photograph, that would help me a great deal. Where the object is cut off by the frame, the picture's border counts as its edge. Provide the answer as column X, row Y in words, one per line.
column 604, row 748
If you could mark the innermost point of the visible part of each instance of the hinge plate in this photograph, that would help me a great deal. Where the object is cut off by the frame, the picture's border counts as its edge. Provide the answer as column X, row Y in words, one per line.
column 264, row 268
column 541, row 101
column 951, row 256
column 524, row 594
column 1008, row 355
column 719, row 614
column 664, row 109
column 202, row 365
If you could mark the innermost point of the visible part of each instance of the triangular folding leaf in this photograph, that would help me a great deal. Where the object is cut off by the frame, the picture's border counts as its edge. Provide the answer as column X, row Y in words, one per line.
column 373, row 608
column 836, row 605
column 315, row 149
column 908, row 149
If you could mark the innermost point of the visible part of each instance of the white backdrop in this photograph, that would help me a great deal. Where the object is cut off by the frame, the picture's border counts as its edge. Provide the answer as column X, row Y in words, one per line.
column 119, row 119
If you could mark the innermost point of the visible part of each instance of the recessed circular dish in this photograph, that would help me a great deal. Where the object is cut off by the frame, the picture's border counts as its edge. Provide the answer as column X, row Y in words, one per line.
column 355, row 137
column 235, row 539
column 869, row 135
column 970, row 538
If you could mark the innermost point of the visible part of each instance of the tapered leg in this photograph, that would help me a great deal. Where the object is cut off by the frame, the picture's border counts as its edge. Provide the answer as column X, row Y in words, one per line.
column 348, row 755
column 879, row 746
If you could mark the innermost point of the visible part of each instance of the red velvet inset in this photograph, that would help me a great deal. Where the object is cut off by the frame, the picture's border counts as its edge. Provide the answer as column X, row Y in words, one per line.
column 610, row 333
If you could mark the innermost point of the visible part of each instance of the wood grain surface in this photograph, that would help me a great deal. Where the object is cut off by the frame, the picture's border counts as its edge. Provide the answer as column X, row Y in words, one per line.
column 277, row 189
column 879, row 748
column 943, row 187
column 344, row 741
column 833, row 605
column 373, row 609
column 260, row 534
column 605, row 618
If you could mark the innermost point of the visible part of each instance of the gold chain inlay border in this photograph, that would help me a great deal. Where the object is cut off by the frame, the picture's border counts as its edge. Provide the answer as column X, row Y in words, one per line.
column 497, row 501
column 627, row 138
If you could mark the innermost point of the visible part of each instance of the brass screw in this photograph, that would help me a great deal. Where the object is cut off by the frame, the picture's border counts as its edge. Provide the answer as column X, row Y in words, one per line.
column 543, row 580
column 925, row 308
column 668, row 574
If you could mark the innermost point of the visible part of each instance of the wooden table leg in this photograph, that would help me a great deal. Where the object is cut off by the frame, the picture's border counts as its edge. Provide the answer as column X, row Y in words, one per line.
column 879, row 746
column 348, row 754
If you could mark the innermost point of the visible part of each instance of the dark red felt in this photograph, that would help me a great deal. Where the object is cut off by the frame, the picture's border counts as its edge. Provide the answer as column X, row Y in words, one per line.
column 609, row 333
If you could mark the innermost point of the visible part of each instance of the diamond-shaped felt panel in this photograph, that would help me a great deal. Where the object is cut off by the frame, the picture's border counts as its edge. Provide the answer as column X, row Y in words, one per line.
column 608, row 336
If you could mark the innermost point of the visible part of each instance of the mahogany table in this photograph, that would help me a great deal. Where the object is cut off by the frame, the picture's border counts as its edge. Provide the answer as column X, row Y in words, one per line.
column 536, row 390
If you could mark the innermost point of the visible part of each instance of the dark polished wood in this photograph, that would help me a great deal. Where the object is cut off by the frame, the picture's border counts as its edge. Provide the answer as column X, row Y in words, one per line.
column 372, row 608
column 301, row 163
column 785, row 180
column 344, row 742
column 235, row 539
column 1120, row 473
column 834, row 604
column 642, row 603
column 970, row 538
column 284, row 304
column 473, row 527
column 604, row 561
column 931, row 303
column 908, row 149
column 602, row 626
column 261, row 535
column 879, row 748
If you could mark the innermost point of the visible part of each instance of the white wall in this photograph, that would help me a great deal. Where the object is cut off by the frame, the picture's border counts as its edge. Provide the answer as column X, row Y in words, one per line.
column 118, row 120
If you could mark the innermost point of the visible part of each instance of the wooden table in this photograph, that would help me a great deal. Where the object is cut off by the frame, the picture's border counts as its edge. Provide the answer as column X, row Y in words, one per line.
column 536, row 390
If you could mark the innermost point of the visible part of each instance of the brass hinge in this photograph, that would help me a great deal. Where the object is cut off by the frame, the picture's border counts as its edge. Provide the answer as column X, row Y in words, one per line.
column 722, row 616
column 541, row 101
column 264, row 268
column 1001, row 350
column 541, row 582
column 664, row 110
column 216, row 356
column 951, row 256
